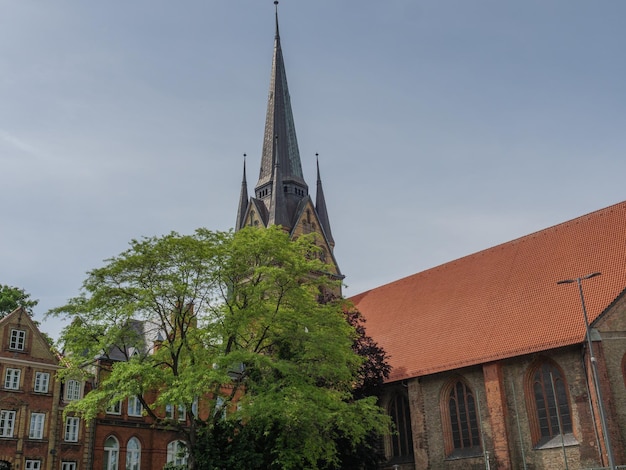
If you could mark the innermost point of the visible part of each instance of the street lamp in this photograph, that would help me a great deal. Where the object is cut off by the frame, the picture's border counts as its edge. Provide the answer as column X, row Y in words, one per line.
column 594, row 366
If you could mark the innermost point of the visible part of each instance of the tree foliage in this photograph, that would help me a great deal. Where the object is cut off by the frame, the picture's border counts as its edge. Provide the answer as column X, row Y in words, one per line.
column 15, row 297
column 231, row 322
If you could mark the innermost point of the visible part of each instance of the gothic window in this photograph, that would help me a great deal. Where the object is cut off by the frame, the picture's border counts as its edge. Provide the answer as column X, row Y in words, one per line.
column 133, row 454
column 460, row 420
column 111, row 453
column 401, row 446
column 548, row 402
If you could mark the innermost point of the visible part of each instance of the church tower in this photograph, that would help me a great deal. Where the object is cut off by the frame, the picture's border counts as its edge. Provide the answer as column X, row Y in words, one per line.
column 281, row 195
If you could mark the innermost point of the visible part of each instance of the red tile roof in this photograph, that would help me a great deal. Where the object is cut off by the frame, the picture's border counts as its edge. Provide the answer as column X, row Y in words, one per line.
column 500, row 302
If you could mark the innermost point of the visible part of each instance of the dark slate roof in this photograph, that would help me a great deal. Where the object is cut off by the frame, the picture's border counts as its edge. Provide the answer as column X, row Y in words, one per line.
column 280, row 143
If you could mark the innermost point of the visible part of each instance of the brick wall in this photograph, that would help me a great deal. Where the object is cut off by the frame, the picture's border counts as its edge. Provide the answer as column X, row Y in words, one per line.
column 499, row 388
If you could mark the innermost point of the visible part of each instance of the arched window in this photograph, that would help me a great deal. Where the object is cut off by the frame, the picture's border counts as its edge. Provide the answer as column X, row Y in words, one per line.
column 401, row 446
column 177, row 453
column 547, row 402
column 133, row 454
column 111, row 453
column 460, row 420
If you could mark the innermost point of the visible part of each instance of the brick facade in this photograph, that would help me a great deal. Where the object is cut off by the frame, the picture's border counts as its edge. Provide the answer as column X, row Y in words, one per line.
column 33, row 428
column 502, row 392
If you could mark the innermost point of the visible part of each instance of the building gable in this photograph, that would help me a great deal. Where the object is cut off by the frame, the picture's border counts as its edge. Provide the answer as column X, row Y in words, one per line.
column 308, row 221
column 36, row 347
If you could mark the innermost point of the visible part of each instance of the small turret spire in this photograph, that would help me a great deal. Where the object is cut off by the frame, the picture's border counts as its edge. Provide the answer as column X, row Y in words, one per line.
column 243, row 199
column 320, row 205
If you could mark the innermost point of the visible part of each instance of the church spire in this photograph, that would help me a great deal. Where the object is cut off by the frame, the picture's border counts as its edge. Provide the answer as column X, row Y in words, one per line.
column 243, row 199
column 320, row 206
column 282, row 160
column 281, row 196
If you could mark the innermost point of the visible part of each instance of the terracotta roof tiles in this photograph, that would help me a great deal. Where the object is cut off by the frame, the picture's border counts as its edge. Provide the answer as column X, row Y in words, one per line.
column 500, row 302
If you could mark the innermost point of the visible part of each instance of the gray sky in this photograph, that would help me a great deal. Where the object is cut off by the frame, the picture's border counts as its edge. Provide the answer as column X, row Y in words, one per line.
column 443, row 127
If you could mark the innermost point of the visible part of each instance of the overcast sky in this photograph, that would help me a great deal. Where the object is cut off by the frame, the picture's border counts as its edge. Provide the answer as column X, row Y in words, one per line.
column 443, row 127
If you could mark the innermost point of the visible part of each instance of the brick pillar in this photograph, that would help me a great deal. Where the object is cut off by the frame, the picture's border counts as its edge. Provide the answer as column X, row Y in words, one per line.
column 497, row 410
column 418, row 424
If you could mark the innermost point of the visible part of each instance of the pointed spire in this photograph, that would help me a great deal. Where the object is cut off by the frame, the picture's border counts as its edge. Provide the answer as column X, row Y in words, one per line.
column 243, row 199
column 320, row 206
column 279, row 123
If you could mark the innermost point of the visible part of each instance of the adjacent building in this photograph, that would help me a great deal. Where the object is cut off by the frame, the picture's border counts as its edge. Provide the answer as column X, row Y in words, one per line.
column 491, row 363
column 128, row 436
column 34, row 435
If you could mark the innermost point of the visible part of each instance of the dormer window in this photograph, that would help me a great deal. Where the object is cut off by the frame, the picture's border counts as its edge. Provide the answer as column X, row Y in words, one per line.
column 17, row 340
column 72, row 390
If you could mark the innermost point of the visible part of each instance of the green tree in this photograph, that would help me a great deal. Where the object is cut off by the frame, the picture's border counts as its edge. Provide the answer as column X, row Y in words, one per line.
column 14, row 297
column 239, row 329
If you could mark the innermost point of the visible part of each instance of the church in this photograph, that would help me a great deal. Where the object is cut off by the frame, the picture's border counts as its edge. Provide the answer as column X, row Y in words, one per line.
column 513, row 357
column 510, row 358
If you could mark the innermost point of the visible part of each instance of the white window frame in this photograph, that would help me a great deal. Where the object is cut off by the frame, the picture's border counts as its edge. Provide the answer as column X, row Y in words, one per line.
column 37, row 422
column 17, row 341
column 115, row 409
column 220, row 407
column 182, row 413
column 72, row 390
column 42, row 382
column 7, row 423
column 135, row 408
column 111, row 453
column 72, row 427
column 169, row 411
column 68, row 465
column 12, row 378
column 133, row 454
column 32, row 465
column 177, row 453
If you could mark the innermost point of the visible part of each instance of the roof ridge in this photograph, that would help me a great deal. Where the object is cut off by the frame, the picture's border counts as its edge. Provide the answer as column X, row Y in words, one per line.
column 514, row 241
